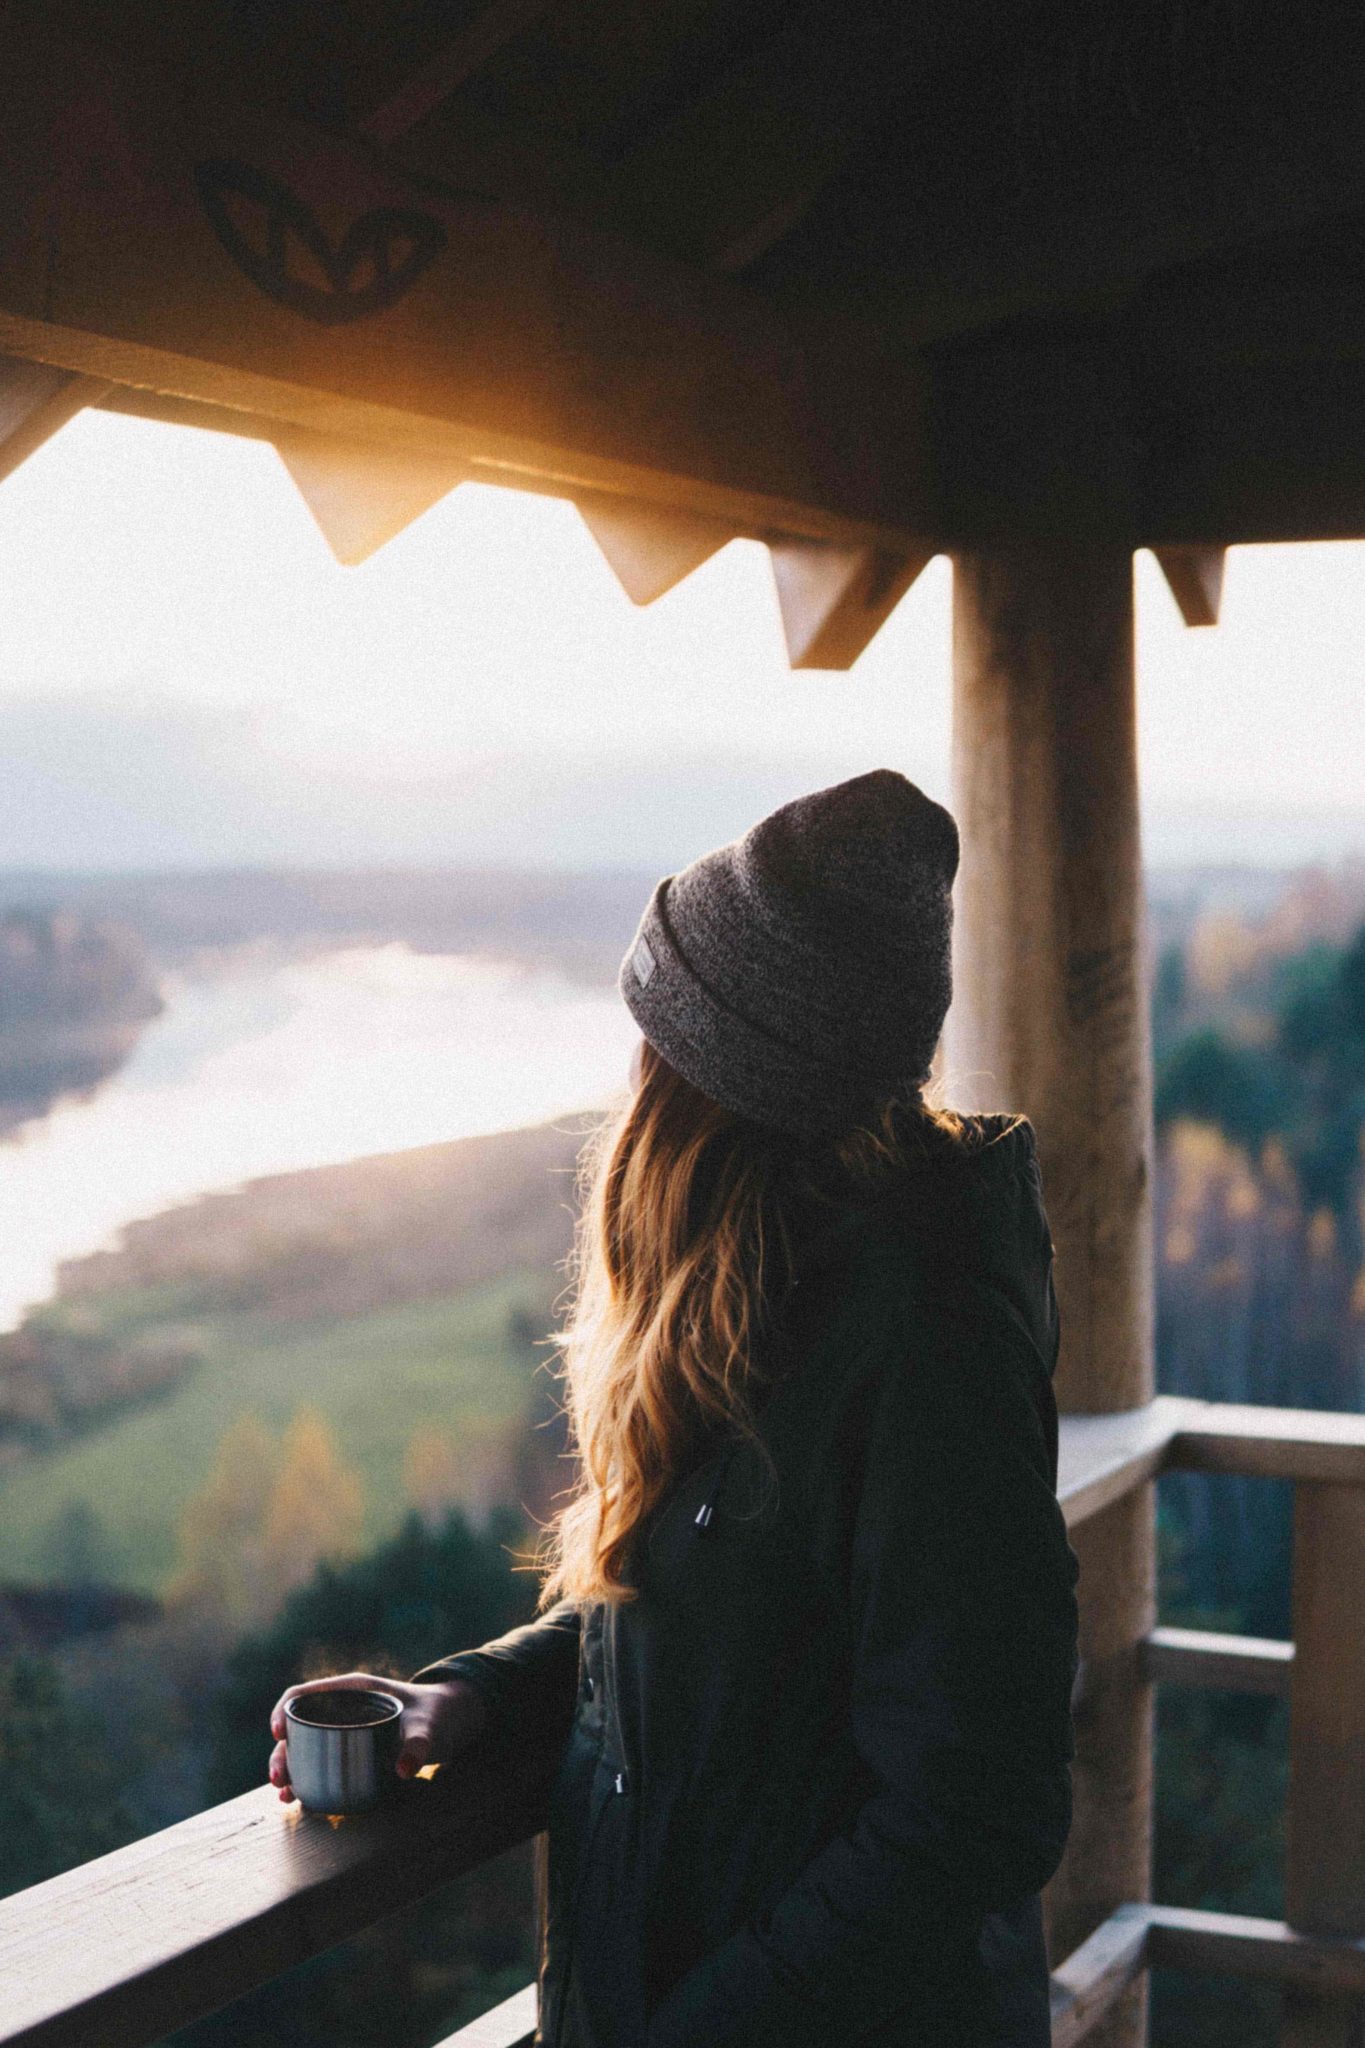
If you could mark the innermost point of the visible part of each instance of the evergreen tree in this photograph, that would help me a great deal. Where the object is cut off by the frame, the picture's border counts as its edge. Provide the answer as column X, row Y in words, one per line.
column 76, row 1551
column 59, row 1794
column 1209, row 1079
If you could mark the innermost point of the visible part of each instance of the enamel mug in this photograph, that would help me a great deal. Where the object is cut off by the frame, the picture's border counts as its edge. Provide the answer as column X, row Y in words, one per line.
column 341, row 1748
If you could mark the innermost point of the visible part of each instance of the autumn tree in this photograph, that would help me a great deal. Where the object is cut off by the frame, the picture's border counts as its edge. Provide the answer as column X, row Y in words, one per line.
column 476, row 1471
column 316, row 1507
column 263, row 1519
column 221, row 1566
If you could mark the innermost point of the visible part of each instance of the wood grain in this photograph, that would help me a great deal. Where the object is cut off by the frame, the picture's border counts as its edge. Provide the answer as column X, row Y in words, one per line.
column 1049, row 1017
column 526, row 346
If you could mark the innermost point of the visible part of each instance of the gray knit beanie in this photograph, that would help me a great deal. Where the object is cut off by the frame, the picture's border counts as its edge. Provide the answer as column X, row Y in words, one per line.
column 802, row 973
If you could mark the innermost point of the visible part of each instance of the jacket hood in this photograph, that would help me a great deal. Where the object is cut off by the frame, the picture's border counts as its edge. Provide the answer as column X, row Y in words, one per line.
column 968, row 1212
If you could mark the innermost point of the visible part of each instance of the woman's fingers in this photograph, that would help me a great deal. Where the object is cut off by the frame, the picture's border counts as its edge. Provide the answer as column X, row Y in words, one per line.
column 438, row 1722
column 279, row 1771
column 429, row 1729
column 417, row 1746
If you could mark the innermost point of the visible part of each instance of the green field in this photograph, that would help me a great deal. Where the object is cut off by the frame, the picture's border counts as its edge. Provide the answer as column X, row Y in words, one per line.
column 451, row 1360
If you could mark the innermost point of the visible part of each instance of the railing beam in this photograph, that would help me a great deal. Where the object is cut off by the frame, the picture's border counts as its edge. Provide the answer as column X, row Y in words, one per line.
column 1104, row 1457
column 1196, row 1656
column 1139, row 1936
column 1239, row 1945
column 134, row 1944
column 1095, row 1976
column 1266, row 1443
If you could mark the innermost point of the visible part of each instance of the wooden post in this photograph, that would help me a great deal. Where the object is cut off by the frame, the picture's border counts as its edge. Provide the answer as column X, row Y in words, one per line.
column 1050, row 1016
column 1325, row 1823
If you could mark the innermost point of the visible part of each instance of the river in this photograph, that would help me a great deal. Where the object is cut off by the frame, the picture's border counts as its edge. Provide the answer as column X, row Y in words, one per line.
column 262, row 1063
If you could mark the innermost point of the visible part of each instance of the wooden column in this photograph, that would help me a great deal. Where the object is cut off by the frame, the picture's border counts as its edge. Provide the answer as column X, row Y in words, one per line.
column 1050, row 1017
column 1325, row 1822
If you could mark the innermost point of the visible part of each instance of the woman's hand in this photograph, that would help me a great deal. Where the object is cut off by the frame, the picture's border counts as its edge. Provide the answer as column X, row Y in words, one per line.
column 438, row 1720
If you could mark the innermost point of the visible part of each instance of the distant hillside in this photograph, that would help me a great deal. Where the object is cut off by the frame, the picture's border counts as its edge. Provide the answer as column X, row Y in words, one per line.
column 580, row 923
column 76, row 991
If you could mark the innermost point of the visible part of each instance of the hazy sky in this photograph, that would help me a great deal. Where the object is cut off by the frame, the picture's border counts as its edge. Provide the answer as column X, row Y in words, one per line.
column 189, row 678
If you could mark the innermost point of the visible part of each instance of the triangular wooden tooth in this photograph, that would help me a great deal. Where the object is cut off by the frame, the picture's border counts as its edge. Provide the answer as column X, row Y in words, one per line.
column 647, row 547
column 35, row 400
column 834, row 598
column 360, row 493
column 1195, row 575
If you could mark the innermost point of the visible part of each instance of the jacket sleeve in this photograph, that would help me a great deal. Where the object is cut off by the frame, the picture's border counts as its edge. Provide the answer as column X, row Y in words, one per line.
column 964, row 1618
column 529, row 1678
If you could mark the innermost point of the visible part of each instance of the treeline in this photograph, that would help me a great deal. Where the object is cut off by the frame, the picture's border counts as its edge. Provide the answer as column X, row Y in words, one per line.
column 62, row 967
column 76, row 992
column 59, row 1376
column 329, row 1241
column 1260, row 1212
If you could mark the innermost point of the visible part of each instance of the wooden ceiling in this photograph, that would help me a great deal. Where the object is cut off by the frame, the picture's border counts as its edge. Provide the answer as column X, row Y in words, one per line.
column 864, row 281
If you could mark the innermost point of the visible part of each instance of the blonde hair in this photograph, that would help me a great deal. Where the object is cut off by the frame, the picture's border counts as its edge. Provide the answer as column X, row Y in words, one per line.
column 686, row 1245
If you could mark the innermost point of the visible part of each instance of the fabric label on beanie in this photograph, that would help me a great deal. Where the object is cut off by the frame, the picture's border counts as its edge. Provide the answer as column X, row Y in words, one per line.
column 642, row 960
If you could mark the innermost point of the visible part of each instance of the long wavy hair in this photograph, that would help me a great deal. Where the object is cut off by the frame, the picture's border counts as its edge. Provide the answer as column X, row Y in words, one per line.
column 689, row 1230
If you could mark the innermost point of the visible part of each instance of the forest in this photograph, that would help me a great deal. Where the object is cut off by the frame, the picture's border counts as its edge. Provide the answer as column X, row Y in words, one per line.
column 76, row 990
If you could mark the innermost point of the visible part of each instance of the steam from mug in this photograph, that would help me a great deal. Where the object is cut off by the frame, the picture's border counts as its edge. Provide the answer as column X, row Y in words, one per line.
column 342, row 1747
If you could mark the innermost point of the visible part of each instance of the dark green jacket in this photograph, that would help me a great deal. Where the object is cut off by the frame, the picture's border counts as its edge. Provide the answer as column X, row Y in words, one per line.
column 811, row 1780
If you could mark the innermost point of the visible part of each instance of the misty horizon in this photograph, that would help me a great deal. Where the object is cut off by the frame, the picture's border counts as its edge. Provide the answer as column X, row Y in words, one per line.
column 195, row 684
column 99, row 786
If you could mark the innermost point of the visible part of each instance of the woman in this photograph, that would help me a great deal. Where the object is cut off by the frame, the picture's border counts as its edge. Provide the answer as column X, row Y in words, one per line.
column 809, row 1627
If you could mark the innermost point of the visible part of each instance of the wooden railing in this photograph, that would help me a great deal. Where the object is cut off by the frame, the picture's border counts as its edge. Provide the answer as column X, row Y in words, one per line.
column 134, row 1944
column 1317, row 1952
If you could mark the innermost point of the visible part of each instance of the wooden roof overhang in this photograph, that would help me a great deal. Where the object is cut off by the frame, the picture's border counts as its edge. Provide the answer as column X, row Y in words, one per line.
column 863, row 282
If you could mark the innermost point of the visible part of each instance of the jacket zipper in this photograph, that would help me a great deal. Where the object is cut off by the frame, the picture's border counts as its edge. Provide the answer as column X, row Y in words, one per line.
column 621, row 1783
column 571, row 1928
column 623, row 1777
column 705, row 1516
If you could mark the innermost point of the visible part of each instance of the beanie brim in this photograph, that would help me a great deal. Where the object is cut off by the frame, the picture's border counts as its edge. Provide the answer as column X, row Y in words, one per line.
column 728, row 1056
